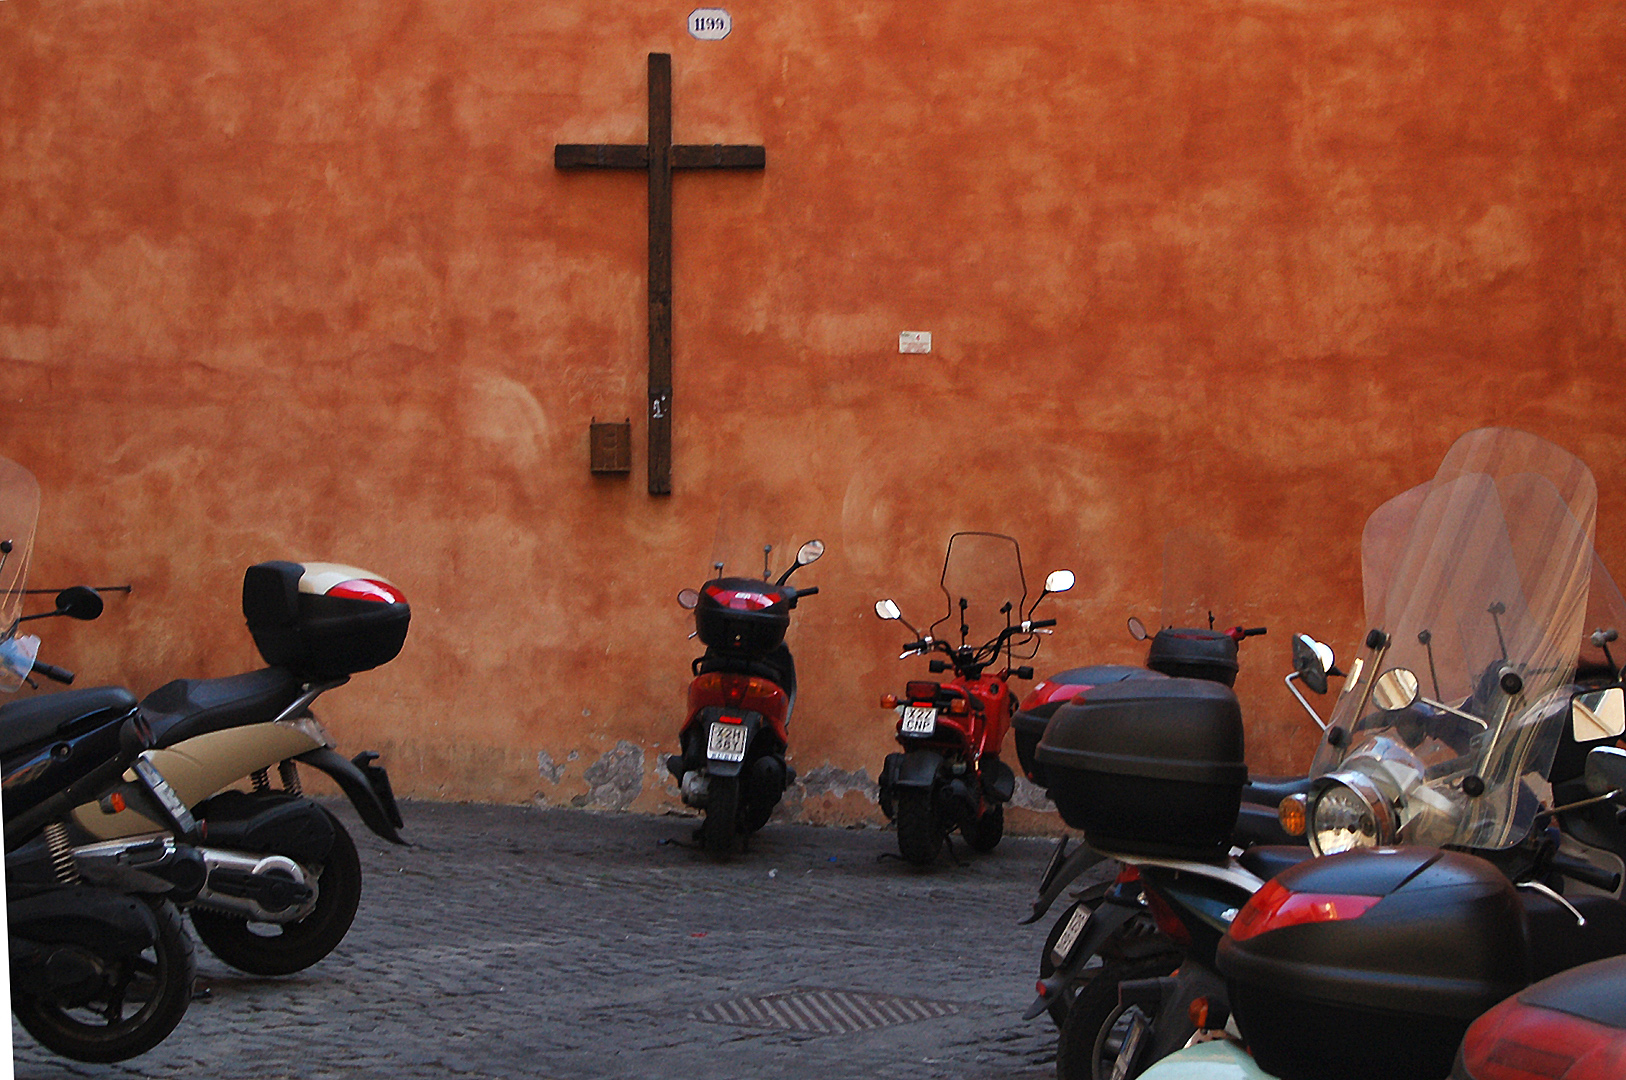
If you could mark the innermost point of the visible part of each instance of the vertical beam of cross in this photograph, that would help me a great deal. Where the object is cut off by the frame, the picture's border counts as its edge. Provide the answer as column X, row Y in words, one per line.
column 659, row 157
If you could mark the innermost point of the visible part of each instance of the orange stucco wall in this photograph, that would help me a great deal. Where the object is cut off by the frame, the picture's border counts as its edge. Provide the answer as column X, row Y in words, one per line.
column 300, row 280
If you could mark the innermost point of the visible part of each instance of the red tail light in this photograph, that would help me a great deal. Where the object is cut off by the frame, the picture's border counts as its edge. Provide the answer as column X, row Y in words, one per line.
column 1515, row 1041
column 366, row 589
column 736, row 688
column 920, row 690
column 1274, row 907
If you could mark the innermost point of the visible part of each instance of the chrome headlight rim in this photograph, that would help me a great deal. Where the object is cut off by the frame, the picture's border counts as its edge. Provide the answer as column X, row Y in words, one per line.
column 1385, row 822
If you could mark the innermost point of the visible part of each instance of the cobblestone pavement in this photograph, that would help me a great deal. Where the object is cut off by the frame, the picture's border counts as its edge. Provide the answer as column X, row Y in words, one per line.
column 569, row 945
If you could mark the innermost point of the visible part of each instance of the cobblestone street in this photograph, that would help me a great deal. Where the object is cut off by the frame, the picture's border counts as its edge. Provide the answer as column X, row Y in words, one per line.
column 520, row 942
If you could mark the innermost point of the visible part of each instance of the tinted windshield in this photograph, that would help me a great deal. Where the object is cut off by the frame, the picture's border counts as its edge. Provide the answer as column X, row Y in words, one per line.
column 1196, row 581
column 19, row 508
column 1484, row 609
column 982, row 578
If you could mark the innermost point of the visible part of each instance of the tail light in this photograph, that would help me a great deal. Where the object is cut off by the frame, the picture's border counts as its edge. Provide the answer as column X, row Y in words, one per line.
column 1274, row 906
column 1516, row 1041
column 920, row 690
column 736, row 688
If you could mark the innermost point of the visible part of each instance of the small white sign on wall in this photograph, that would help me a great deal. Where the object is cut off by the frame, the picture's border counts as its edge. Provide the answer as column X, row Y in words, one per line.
column 710, row 24
column 915, row 341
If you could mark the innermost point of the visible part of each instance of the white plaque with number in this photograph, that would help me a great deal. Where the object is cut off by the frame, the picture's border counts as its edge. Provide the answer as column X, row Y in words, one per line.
column 710, row 24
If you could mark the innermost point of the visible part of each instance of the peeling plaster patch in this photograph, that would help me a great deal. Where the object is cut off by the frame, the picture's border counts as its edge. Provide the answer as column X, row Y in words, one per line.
column 829, row 780
column 549, row 770
column 1030, row 796
column 615, row 779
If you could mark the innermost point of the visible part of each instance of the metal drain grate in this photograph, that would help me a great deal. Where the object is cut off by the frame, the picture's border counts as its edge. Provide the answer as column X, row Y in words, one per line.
column 823, row 1012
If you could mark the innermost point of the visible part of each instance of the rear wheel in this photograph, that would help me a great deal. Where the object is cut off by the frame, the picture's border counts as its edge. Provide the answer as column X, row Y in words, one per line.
column 1096, row 1025
column 984, row 833
column 919, row 838
column 138, row 1004
column 722, row 810
column 262, row 948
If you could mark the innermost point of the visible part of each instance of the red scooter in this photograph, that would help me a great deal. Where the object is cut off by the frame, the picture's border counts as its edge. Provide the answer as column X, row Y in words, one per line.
column 735, row 730
column 948, row 775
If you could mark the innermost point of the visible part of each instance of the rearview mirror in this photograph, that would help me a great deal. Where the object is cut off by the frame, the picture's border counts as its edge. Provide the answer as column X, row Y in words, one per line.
column 1600, row 714
column 1137, row 629
column 79, row 602
column 689, row 598
column 1605, row 770
column 887, row 610
column 809, row 552
column 1395, row 689
column 1313, row 661
column 1059, row 581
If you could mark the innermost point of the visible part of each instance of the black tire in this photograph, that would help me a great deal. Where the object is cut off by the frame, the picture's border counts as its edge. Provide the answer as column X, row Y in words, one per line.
column 283, row 948
column 158, row 986
column 919, row 837
column 984, row 834
column 1085, row 1033
column 722, row 813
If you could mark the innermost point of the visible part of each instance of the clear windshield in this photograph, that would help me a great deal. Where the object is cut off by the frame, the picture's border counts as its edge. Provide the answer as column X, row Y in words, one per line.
column 19, row 508
column 1196, row 581
column 1484, row 610
column 982, row 578
column 757, row 528
column 1605, row 610
column 1382, row 541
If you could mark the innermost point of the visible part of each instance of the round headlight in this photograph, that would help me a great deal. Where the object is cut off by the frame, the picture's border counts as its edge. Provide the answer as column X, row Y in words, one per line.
column 1349, row 813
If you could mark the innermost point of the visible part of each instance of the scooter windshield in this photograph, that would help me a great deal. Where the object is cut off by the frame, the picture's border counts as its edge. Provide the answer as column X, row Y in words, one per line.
column 1196, row 580
column 19, row 509
column 756, row 534
column 1456, row 708
column 982, row 578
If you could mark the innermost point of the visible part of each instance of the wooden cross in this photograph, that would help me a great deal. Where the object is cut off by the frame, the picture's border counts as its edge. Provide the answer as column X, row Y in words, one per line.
column 659, row 157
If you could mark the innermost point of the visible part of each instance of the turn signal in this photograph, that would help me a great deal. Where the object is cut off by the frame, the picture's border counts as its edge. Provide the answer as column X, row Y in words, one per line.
column 958, row 707
column 1198, row 1011
column 1293, row 815
column 112, row 804
column 889, row 701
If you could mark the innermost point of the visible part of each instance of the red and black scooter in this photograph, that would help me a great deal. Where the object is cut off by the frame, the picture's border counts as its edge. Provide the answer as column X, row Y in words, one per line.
column 948, row 775
column 735, row 730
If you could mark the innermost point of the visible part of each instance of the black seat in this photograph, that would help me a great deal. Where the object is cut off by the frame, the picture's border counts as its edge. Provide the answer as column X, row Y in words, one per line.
column 187, row 708
column 36, row 719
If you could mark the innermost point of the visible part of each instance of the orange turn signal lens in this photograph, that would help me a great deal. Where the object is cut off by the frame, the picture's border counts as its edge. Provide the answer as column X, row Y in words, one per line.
column 959, row 707
column 1293, row 814
column 889, row 701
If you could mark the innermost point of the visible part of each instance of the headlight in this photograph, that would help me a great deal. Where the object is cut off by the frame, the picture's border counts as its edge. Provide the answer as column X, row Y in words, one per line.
column 1348, row 813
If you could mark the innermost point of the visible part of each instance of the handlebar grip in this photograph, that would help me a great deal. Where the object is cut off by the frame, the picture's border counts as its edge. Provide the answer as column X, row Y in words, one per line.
column 52, row 672
column 1586, row 873
column 1039, row 624
column 807, row 592
column 1257, row 631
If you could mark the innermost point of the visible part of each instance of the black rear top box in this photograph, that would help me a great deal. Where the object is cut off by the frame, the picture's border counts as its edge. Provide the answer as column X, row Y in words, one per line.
column 1149, row 766
column 1041, row 703
column 1377, row 941
column 323, row 620
column 747, row 614
column 1194, row 654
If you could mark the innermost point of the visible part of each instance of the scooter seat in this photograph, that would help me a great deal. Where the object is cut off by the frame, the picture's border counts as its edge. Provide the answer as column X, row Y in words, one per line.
column 186, row 708
column 32, row 720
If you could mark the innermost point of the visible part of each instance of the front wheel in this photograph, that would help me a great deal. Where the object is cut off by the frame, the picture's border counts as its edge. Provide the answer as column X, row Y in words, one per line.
column 137, row 1005
column 919, row 838
column 283, row 948
column 1096, row 1026
column 722, row 810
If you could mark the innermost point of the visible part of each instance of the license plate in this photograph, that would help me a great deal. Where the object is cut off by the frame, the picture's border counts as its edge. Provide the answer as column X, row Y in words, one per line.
column 918, row 720
column 155, row 782
column 1070, row 935
column 726, row 742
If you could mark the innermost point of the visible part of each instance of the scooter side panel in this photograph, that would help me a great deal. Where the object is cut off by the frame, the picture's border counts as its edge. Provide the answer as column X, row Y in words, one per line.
column 198, row 768
column 1217, row 1060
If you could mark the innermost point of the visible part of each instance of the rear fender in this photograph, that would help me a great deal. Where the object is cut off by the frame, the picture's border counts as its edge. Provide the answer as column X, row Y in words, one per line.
column 918, row 769
column 365, row 784
column 712, row 715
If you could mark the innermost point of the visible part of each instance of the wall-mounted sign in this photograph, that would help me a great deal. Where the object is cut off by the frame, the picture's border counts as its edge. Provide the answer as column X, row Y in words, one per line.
column 710, row 24
column 915, row 341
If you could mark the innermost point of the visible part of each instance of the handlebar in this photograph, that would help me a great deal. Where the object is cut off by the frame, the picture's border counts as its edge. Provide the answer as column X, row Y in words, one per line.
column 1586, row 873
column 52, row 672
column 1039, row 624
column 1238, row 633
column 807, row 592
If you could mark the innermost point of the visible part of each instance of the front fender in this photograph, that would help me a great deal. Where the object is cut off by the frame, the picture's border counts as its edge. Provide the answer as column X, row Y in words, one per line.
column 369, row 791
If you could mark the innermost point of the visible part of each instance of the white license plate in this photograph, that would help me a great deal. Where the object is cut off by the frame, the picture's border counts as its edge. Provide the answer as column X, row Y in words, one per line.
column 1070, row 935
column 918, row 720
column 726, row 742
column 155, row 782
